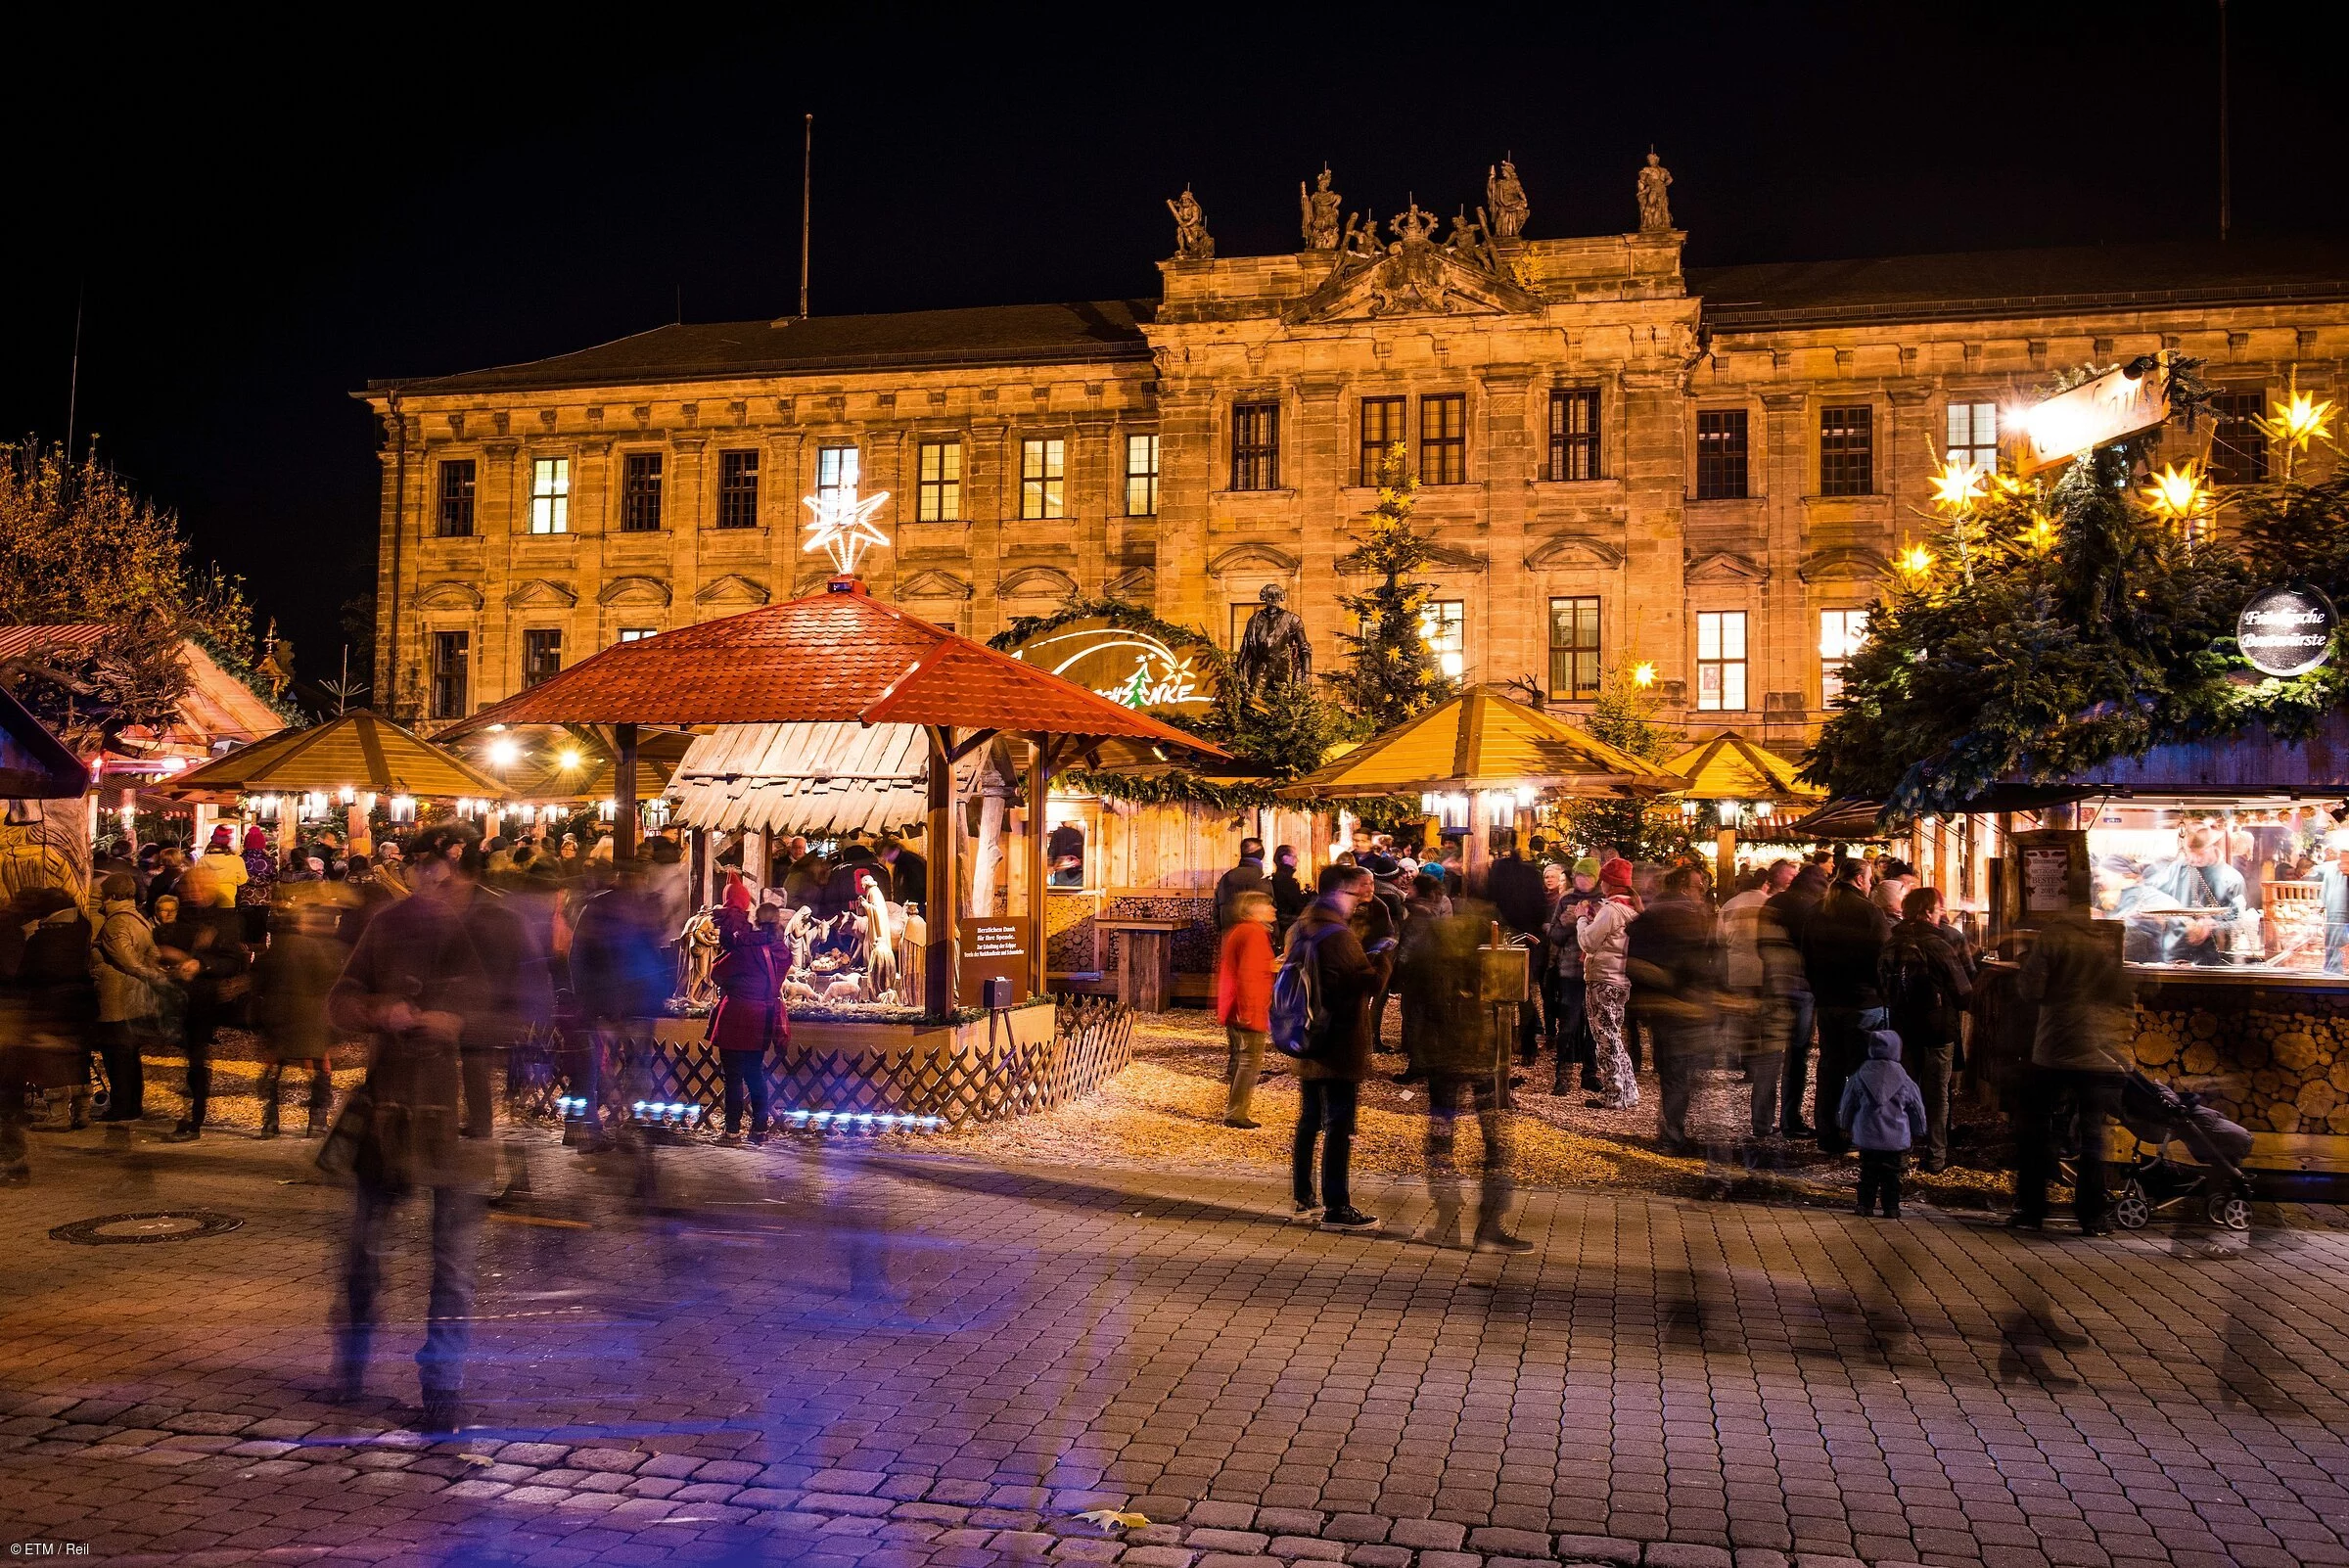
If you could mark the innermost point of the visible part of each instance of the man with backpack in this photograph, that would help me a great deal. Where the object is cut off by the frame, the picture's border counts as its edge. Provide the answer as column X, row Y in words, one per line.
column 1926, row 983
column 1842, row 944
column 1322, row 1017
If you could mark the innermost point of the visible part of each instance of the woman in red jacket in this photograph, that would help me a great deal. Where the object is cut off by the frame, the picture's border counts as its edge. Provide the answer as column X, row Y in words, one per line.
column 750, row 1014
column 1244, row 999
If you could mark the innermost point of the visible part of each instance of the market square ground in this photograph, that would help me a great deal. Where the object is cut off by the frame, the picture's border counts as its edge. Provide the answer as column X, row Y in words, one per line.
column 835, row 1353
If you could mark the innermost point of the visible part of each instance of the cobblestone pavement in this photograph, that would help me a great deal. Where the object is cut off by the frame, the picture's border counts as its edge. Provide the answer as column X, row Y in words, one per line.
column 834, row 1355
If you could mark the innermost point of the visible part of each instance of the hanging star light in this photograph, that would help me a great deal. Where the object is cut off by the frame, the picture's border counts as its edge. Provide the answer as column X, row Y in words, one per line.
column 843, row 525
column 2179, row 495
column 1958, row 484
column 1916, row 559
column 2296, row 422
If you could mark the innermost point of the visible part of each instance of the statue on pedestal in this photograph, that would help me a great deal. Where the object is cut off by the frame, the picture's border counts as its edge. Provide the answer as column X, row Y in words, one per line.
column 1655, row 211
column 1317, row 210
column 1505, row 196
column 1192, row 242
column 1273, row 648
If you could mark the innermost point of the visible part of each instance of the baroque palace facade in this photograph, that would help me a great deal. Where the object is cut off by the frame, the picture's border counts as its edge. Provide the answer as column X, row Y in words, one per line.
column 1708, row 470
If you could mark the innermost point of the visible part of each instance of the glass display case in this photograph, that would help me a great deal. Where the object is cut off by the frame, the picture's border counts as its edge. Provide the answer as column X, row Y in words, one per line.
column 2248, row 884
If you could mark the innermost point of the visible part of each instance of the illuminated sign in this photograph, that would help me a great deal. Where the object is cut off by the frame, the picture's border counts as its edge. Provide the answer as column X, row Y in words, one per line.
column 2286, row 630
column 2095, row 413
column 1129, row 668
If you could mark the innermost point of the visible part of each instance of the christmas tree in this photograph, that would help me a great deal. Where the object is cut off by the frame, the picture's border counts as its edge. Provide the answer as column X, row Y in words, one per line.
column 1392, row 673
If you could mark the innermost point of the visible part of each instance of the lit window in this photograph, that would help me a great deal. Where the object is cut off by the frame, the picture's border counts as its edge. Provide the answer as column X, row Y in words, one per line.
column 1574, row 433
column 1574, row 648
column 937, row 490
column 1721, row 451
column 1444, row 627
column 2238, row 453
column 738, row 489
column 835, row 469
column 640, row 493
column 1721, row 660
column 1443, row 438
column 1043, row 466
column 1256, row 446
column 1840, row 635
column 450, row 658
column 1974, row 436
column 550, row 495
column 1141, row 476
column 542, row 656
column 636, row 633
column 1847, row 453
column 456, row 498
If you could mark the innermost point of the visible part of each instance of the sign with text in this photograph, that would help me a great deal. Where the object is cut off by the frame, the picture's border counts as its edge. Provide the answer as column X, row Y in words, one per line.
column 2095, row 413
column 1131, row 668
column 993, row 950
column 2287, row 630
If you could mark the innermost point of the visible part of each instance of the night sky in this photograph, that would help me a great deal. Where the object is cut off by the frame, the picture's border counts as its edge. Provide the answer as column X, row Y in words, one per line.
column 262, row 221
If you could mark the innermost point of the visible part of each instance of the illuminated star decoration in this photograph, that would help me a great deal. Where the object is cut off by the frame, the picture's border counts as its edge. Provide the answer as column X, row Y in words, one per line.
column 1959, row 484
column 2296, row 423
column 1916, row 559
column 2178, row 493
column 843, row 524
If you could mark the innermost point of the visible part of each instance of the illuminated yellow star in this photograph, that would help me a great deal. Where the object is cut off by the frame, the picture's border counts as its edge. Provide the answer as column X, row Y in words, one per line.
column 843, row 524
column 2178, row 493
column 2042, row 532
column 2298, row 421
column 1916, row 559
column 1959, row 484
column 1645, row 676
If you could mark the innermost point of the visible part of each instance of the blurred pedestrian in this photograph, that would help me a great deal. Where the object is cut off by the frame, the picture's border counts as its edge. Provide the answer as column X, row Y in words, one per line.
column 47, row 1006
column 1603, row 936
column 1564, row 1009
column 258, row 889
column 1754, row 1015
column 436, row 976
column 1244, row 1000
column 1784, row 914
column 1442, row 978
column 2080, row 1053
column 750, row 1018
column 1882, row 1113
column 130, row 976
column 1928, row 980
column 1672, row 962
column 290, row 982
column 207, row 945
column 1514, row 887
column 1842, row 944
column 1337, row 1054
column 621, row 981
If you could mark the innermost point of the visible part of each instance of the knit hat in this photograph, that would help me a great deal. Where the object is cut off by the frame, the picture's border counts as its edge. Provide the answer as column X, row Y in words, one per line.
column 1587, row 866
column 1616, row 874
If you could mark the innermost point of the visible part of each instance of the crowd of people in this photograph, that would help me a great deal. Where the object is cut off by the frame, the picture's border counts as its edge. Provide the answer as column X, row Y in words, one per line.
column 1834, row 985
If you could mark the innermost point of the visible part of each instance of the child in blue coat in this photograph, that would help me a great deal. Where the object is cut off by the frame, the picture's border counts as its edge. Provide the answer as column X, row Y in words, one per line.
column 1883, row 1113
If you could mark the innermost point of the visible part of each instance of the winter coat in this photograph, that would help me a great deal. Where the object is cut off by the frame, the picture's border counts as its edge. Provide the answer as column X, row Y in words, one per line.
column 617, row 969
column 1244, row 978
column 1246, row 877
column 750, row 1015
column 1741, row 940
column 418, row 952
column 1289, row 896
column 1785, row 915
column 1348, row 980
column 1441, row 977
column 1922, row 956
column 1605, row 939
column 2086, row 1009
column 1841, row 942
column 124, row 964
column 1514, row 887
column 1882, row 1109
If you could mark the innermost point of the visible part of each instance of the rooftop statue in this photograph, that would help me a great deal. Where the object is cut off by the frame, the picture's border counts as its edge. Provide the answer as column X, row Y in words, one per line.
column 1317, row 210
column 1505, row 196
column 1193, row 242
column 1655, row 210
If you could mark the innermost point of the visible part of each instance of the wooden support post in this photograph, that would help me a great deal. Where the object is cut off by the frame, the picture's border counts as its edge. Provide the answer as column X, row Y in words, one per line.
column 702, row 868
column 943, row 913
column 1725, row 858
column 1477, row 852
column 1039, row 781
column 624, row 773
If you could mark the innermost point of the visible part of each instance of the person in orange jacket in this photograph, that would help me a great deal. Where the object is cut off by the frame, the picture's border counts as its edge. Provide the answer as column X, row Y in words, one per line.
column 1244, row 999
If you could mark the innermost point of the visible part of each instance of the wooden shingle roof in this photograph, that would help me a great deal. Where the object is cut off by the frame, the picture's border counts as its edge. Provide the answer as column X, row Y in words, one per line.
column 1482, row 739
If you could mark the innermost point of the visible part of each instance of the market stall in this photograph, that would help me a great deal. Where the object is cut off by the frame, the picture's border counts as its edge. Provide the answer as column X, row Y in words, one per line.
column 1737, row 784
column 347, row 771
column 1480, row 761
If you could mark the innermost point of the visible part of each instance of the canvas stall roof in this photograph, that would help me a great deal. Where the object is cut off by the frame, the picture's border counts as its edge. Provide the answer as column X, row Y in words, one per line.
column 810, row 778
column 360, row 750
column 1483, row 740
column 839, row 656
column 1730, row 768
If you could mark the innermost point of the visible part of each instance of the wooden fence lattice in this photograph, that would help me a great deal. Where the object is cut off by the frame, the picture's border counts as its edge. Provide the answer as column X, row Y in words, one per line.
column 1092, row 1040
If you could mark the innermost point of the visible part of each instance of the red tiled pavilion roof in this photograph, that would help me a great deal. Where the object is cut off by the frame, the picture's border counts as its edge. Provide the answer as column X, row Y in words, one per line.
column 839, row 656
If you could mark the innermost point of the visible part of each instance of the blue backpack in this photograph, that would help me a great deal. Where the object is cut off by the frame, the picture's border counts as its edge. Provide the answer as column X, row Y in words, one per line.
column 1298, row 1015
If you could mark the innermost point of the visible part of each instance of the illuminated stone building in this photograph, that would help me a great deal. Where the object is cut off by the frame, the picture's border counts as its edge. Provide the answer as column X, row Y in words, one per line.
column 1709, row 470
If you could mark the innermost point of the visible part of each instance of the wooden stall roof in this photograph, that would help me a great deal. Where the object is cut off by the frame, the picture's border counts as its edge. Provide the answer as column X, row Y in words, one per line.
column 804, row 778
column 1730, row 767
column 1483, row 740
column 839, row 656
column 360, row 750
column 216, row 706
column 34, row 764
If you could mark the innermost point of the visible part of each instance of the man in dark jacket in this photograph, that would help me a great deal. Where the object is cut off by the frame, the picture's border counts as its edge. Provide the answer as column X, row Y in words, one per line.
column 1784, row 914
column 2080, row 1055
column 1562, row 1003
column 1442, row 978
column 1926, row 982
column 1513, row 884
column 908, row 872
column 1338, row 1049
column 1842, row 943
column 1246, row 877
column 620, row 982
column 1672, row 964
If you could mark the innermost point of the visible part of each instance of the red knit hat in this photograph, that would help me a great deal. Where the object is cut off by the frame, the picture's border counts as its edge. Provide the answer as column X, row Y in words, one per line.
column 1616, row 874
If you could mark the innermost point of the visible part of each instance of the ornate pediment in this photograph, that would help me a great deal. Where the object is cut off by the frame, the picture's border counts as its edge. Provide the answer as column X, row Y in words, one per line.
column 1851, row 563
column 448, row 596
column 1137, row 586
column 541, row 593
column 1036, row 583
column 1725, row 566
column 732, row 588
column 635, row 590
column 1574, row 550
column 933, row 584
column 1261, row 557
column 1465, row 275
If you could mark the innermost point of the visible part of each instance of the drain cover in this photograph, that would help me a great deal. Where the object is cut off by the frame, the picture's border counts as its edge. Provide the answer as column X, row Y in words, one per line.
column 157, row 1224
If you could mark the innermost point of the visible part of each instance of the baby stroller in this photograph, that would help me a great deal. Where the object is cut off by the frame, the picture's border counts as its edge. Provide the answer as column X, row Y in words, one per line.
column 2159, row 1116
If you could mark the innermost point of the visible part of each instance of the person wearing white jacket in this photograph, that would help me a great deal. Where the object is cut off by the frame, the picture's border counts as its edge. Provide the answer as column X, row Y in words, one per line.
column 1604, row 940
